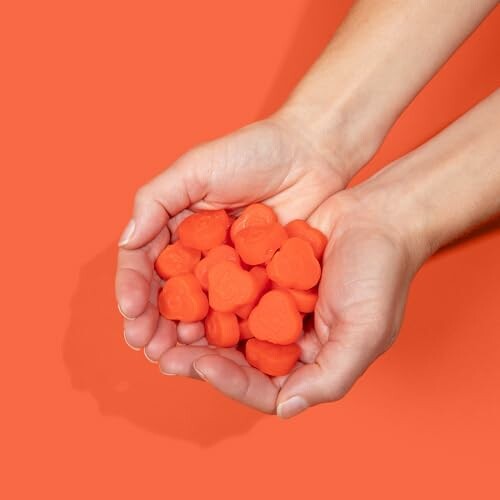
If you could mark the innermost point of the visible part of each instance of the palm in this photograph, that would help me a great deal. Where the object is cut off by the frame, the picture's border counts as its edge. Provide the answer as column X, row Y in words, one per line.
column 365, row 279
column 366, row 275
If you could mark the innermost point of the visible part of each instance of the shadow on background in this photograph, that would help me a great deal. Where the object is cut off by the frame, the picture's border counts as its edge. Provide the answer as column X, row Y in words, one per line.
column 121, row 380
column 488, row 228
column 125, row 384
column 317, row 25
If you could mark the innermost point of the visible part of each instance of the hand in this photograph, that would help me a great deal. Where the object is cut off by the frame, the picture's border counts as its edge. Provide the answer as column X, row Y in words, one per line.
column 367, row 270
column 274, row 161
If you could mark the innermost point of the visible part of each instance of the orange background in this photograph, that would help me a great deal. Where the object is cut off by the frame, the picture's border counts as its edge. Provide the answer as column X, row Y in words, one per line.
column 98, row 96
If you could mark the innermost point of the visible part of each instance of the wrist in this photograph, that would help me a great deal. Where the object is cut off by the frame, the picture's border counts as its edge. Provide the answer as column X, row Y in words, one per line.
column 395, row 203
column 336, row 129
column 445, row 188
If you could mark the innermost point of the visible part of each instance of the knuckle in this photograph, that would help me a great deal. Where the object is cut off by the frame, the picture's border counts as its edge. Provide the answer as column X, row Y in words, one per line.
column 379, row 337
column 334, row 390
column 142, row 194
column 335, row 393
column 389, row 340
column 191, row 157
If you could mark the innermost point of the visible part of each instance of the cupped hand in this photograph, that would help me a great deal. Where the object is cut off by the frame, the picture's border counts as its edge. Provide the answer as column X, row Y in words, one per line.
column 271, row 161
column 367, row 269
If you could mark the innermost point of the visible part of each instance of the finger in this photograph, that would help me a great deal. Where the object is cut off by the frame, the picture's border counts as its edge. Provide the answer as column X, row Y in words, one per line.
column 135, row 274
column 325, row 217
column 179, row 360
column 202, row 341
column 164, row 338
column 187, row 333
column 242, row 383
column 336, row 369
column 310, row 347
column 138, row 332
column 132, row 290
column 279, row 382
column 174, row 190
column 174, row 223
column 309, row 344
column 154, row 289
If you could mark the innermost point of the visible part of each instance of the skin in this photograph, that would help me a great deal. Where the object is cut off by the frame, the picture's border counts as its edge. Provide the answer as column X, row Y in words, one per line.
column 298, row 161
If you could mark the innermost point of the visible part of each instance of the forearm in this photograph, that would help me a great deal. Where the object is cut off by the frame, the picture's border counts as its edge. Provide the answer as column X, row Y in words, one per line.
column 379, row 59
column 446, row 187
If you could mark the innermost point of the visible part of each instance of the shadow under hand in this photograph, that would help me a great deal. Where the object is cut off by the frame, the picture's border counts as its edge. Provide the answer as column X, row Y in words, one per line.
column 317, row 24
column 125, row 384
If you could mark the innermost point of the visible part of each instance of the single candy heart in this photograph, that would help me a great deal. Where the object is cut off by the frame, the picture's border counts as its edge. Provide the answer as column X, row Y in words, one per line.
column 204, row 230
column 222, row 329
column 230, row 286
column 176, row 259
column 274, row 360
column 301, row 229
column 257, row 244
column 183, row 299
column 276, row 318
column 256, row 214
column 294, row 265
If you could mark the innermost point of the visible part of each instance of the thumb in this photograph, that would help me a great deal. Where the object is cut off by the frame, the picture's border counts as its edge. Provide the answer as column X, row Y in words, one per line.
column 339, row 364
column 175, row 189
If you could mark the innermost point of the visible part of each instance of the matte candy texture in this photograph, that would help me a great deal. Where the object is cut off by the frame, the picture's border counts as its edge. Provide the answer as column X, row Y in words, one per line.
column 276, row 318
column 256, row 214
column 230, row 287
column 204, row 230
column 222, row 329
column 245, row 332
column 261, row 306
column 215, row 255
column 257, row 244
column 274, row 360
column 176, row 259
column 263, row 285
column 305, row 300
column 183, row 299
column 294, row 265
column 301, row 229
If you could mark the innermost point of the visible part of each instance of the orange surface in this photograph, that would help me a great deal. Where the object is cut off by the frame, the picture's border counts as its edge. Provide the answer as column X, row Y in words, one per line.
column 98, row 96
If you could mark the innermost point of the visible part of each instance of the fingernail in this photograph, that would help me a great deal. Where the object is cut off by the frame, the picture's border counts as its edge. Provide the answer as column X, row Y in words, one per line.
column 199, row 372
column 127, row 342
column 166, row 373
column 123, row 314
column 291, row 407
column 151, row 360
column 127, row 233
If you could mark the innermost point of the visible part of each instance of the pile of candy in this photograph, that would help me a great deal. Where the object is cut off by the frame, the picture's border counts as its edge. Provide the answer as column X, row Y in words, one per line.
column 250, row 279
